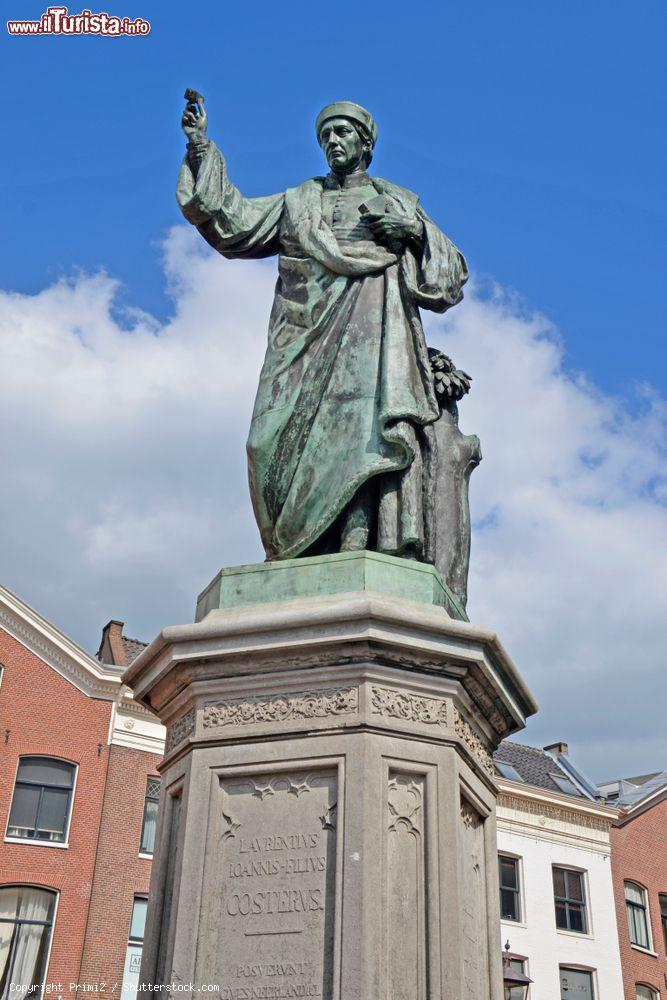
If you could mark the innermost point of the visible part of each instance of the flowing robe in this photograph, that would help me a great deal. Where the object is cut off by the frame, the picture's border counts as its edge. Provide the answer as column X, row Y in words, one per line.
column 345, row 399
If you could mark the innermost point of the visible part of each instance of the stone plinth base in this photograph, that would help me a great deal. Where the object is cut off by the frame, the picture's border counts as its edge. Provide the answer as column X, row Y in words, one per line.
column 322, row 576
column 327, row 823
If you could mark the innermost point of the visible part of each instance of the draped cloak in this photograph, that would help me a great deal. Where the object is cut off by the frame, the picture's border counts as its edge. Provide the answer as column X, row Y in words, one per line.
column 345, row 396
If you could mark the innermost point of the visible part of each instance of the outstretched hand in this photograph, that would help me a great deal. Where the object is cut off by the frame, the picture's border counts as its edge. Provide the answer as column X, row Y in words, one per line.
column 195, row 119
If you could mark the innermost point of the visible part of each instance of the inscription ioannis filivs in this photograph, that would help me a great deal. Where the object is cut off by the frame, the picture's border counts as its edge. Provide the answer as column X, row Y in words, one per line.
column 277, row 887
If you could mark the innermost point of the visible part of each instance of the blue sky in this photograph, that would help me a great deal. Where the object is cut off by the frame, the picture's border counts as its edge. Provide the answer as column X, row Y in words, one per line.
column 534, row 134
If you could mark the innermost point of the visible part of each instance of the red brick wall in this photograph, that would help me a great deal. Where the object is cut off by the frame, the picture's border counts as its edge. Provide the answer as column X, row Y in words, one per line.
column 119, row 873
column 639, row 853
column 45, row 714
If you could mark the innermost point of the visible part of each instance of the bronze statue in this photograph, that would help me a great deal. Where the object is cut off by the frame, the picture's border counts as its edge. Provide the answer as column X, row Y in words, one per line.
column 342, row 445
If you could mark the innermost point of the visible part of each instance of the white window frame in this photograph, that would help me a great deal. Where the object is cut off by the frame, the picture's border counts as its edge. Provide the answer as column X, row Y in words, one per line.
column 589, row 932
column 35, row 841
column 647, row 910
column 522, row 898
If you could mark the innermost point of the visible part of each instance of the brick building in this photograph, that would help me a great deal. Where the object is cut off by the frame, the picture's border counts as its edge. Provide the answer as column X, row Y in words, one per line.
column 77, row 796
column 639, row 864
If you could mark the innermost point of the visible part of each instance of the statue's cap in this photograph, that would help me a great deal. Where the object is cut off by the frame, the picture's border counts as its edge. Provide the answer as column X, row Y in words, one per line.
column 347, row 109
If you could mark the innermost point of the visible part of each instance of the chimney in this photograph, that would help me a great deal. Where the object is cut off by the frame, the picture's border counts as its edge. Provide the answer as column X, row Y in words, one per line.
column 111, row 648
column 554, row 749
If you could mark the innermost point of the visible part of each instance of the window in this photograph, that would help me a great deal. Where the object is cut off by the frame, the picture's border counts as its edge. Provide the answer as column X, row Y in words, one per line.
column 150, row 816
column 138, row 922
column 575, row 984
column 646, row 992
column 663, row 917
column 570, row 900
column 134, row 945
column 637, row 910
column 510, row 888
column 507, row 771
column 564, row 784
column 42, row 799
column 26, row 918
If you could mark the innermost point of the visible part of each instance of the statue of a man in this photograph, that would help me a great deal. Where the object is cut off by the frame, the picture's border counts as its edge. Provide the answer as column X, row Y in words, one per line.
column 341, row 451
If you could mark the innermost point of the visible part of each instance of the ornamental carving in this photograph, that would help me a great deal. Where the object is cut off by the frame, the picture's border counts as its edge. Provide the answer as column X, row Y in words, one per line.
column 544, row 809
column 489, row 706
column 471, row 818
column 406, row 794
column 179, row 730
column 280, row 708
column 412, row 708
column 472, row 741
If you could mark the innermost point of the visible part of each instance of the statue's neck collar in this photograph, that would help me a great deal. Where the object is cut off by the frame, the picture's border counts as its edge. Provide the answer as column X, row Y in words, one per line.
column 341, row 182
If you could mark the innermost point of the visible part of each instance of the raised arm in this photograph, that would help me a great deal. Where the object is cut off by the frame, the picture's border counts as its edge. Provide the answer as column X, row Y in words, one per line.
column 194, row 123
column 233, row 225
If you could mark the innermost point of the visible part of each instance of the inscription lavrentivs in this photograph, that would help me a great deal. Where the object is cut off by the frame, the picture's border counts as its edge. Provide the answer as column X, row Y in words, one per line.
column 277, row 868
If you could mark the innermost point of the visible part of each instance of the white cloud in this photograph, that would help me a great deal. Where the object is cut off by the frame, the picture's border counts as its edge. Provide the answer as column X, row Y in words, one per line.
column 124, row 484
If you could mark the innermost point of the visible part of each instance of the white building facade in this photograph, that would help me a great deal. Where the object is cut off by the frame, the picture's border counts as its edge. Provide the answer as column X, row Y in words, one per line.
column 557, row 900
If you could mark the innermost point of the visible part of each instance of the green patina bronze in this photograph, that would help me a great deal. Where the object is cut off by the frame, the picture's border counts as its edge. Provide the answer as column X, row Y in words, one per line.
column 323, row 576
column 342, row 446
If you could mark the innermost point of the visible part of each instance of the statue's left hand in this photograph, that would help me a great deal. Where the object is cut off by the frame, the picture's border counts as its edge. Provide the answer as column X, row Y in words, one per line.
column 390, row 227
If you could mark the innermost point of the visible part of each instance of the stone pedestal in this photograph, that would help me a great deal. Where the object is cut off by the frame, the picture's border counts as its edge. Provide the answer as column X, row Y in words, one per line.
column 327, row 823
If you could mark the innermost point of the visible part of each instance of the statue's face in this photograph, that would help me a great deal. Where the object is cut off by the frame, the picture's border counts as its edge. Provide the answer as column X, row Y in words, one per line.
column 342, row 145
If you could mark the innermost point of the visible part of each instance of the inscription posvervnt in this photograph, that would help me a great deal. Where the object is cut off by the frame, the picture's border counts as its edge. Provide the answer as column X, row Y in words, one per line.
column 270, row 892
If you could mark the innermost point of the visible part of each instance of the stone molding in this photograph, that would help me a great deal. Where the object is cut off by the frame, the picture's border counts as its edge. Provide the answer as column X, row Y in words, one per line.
column 411, row 707
column 472, row 741
column 496, row 716
column 347, row 626
column 316, row 704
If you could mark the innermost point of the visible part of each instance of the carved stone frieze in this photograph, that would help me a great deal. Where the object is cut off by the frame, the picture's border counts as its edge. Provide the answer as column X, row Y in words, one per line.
column 470, row 738
column 179, row 730
column 411, row 707
column 278, row 708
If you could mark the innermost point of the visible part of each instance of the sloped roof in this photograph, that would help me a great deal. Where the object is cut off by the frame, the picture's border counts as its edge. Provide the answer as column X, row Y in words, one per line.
column 628, row 793
column 57, row 650
column 132, row 648
column 538, row 768
column 641, row 779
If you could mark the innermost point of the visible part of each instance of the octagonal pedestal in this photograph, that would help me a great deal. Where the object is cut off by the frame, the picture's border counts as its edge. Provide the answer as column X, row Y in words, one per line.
column 327, row 822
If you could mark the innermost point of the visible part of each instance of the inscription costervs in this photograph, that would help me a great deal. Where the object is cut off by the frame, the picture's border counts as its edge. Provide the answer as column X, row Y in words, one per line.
column 274, row 901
